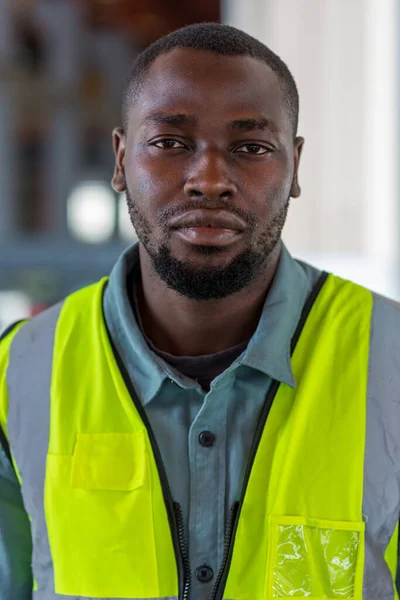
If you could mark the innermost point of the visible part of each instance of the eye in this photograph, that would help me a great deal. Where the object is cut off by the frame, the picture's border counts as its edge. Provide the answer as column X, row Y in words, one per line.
column 168, row 144
column 255, row 149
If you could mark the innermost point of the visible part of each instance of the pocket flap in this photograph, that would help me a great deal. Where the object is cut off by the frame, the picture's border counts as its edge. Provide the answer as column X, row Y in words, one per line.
column 109, row 461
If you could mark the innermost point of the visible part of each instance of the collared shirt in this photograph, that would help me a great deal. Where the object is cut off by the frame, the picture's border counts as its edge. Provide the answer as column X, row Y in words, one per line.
column 205, row 480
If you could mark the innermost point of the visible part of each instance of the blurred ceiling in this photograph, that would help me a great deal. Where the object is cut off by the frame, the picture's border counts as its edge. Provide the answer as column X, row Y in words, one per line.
column 147, row 20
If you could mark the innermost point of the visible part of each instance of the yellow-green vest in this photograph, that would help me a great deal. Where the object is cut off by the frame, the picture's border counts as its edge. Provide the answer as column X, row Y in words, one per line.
column 112, row 528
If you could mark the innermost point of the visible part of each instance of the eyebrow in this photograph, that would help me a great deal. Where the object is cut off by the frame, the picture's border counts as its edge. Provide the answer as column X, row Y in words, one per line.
column 252, row 124
column 249, row 124
column 174, row 119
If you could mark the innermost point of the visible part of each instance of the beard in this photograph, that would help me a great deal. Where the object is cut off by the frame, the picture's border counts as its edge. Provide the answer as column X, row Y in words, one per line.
column 208, row 283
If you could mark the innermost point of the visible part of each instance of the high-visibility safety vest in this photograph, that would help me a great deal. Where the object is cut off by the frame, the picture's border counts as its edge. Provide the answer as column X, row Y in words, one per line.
column 316, row 517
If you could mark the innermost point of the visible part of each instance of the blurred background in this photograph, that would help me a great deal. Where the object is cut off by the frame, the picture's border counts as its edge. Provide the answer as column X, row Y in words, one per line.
column 63, row 64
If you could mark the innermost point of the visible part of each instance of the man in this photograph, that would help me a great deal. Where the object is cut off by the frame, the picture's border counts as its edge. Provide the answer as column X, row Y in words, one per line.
column 216, row 420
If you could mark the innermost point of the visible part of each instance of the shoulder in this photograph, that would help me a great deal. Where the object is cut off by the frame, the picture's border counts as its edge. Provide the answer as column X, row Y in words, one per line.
column 385, row 335
column 385, row 318
column 28, row 342
column 6, row 339
column 28, row 330
column 31, row 330
column 386, row 306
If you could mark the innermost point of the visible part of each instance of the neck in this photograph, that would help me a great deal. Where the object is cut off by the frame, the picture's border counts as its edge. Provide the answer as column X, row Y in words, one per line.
column 186, row 327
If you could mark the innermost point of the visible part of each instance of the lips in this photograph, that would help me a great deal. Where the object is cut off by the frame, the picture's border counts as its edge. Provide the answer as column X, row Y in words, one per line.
column 219, row 219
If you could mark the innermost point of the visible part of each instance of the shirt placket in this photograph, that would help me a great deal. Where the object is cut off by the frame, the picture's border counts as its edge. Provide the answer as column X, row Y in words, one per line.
column 207, row 462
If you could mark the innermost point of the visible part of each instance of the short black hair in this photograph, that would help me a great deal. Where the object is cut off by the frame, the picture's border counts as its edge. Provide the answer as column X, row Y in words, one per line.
column 219, row 39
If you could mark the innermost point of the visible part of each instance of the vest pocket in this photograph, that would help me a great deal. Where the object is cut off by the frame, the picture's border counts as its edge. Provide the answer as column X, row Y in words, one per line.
column 99, row 513
column 315, row 558
column 109, row 461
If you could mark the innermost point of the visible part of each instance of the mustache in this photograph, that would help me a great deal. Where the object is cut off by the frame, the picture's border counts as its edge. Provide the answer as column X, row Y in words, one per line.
column 175, row 211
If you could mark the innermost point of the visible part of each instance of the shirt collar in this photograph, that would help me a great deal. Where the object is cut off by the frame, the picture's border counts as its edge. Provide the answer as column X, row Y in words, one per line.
column 148, row 369
column 268, row 350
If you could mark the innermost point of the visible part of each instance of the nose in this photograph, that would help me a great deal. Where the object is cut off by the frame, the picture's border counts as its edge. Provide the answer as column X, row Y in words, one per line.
column 210, row 177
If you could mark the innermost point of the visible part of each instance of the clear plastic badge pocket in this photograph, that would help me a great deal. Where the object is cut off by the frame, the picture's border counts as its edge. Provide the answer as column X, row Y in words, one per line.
column 314, row 558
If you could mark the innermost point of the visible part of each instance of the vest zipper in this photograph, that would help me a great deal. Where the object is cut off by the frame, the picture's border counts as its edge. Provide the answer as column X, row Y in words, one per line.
column 187, row 581
column 220, row 584
column 230, row 525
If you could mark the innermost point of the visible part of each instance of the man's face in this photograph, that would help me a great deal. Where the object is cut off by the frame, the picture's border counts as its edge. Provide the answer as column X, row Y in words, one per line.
column 208, row 164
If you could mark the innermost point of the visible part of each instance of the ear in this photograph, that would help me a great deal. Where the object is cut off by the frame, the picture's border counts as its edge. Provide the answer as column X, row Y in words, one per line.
column 118, row 181
column 295, row 190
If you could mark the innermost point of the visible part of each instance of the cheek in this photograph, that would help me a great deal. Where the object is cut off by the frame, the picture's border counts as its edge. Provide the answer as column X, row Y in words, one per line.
column 270, row 194
column 149, row 194
column 149, row 178
column 271, row 187
column 283, row 180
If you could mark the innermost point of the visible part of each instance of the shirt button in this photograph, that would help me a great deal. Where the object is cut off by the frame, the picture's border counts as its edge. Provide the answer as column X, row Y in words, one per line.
column 204, row 574
column 206, row 439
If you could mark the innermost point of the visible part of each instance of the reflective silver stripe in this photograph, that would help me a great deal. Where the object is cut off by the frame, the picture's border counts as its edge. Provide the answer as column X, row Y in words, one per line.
column 382, row 453
column 28, row 382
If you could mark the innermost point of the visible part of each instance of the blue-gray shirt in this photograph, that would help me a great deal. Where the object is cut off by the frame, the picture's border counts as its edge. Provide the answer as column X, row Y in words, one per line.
column 204, row 480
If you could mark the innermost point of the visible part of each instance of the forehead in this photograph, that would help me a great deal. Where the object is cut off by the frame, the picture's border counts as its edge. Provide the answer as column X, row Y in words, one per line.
column 203, row 83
